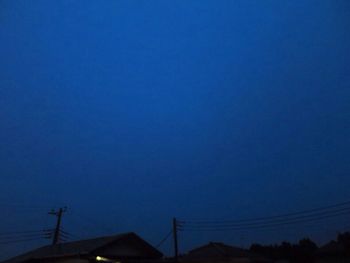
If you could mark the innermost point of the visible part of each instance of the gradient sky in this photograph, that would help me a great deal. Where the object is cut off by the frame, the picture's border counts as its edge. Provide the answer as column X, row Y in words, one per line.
column 132, row 112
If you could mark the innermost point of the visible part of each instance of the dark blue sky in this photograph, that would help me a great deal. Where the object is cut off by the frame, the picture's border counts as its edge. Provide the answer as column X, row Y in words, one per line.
column 132, row 112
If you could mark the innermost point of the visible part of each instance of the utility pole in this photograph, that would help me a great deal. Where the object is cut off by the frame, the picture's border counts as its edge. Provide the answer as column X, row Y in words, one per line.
column 59, row 214
column 176, row 251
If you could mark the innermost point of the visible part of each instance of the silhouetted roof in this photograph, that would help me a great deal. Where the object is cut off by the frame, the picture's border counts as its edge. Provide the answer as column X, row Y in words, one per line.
column 217, row 249
column 87, row 247
column 331, row 248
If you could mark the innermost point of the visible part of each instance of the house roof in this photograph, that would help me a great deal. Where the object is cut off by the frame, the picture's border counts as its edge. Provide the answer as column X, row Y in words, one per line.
column 331, row 248
column 217, row 249
column 85, row 247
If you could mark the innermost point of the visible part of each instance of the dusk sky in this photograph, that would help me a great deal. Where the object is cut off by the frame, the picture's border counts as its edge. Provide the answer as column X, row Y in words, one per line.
column 132, row 112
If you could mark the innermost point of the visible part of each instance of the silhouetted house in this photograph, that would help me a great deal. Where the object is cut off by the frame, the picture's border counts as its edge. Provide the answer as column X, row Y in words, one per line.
column 127, row 247
column 216, row 252
column 333, row 252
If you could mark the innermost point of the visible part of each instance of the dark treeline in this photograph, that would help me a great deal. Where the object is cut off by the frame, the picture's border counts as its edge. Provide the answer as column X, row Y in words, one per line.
column 305, row 250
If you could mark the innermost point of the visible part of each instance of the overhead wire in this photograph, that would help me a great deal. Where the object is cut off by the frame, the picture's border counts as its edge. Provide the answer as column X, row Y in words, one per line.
column 24, row 232
column 257, row 226
column 308, row 211
column 19, row 241
column 304, row 216
column 164, row 239
column 272, row 221
column 23, row 236
column 65, row 233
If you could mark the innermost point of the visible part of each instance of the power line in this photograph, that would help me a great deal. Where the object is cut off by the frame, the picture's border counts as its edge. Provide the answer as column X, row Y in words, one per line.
column 272, row 221
column 18, row 241
column 267, row 222
column 24, row 236
column 309, row 211
column 164, row 239
column 65, row 235
column 259, row 226
column 24, row 232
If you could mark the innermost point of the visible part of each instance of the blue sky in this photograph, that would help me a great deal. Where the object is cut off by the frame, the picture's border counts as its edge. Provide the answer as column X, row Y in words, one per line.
column 132, row 112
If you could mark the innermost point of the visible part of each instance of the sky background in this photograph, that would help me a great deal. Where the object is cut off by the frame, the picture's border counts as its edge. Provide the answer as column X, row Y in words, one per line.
column 132, row 112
